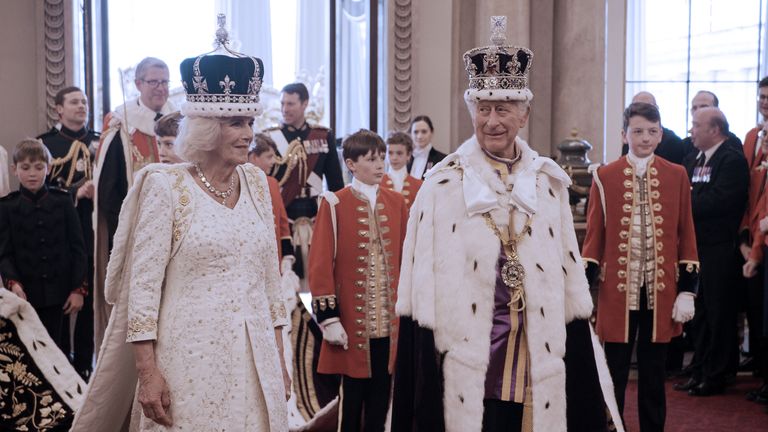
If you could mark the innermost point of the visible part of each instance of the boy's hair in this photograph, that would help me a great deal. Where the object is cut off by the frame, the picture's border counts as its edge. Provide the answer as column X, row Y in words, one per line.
column 261, row 144
column 642, row 109
column 400, row 138
column 360, row 143
column 33, row 150
column 168, row 125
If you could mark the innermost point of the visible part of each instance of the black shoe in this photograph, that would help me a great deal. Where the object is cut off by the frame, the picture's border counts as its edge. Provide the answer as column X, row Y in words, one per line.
column 691, row 383
column 707, row 389
column 747, row 365
column 754, row 394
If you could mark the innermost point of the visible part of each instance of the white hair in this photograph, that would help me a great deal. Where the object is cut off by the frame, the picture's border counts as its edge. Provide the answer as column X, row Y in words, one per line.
column 197, row 136
column 472, row 105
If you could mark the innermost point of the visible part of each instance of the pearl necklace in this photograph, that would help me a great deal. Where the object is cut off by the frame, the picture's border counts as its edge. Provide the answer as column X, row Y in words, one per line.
column 223, row 195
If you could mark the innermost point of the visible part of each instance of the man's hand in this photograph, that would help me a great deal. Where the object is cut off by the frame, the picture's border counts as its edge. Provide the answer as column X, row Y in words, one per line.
column 86, row 190
column 74, row 303
column 750, row 268
column 745, row 250
column 286, row 264
column 155, row 396
column 335, row 334
column 764, row 224
column 684, row 308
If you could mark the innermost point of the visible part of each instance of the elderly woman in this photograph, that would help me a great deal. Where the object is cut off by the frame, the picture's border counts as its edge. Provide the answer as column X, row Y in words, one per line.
column 195, row 278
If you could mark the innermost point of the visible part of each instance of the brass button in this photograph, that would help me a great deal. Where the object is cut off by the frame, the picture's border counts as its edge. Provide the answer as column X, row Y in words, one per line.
column 359, row 308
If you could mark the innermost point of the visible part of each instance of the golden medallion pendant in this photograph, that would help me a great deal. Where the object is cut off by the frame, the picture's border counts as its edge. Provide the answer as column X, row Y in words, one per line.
column 513, row 273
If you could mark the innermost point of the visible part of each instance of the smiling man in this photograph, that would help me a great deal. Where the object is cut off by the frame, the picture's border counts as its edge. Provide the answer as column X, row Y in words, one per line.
column 494, row 304
column 127, row 145
column 640, row 248
column 71, row 136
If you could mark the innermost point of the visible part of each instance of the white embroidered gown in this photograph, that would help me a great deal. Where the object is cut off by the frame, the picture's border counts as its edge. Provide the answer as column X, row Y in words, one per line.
column 210, row 317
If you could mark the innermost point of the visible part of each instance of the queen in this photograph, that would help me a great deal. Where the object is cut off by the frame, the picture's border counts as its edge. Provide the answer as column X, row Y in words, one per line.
column 194, row 341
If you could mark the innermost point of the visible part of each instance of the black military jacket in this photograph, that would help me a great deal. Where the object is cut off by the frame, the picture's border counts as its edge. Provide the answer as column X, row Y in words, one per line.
column 41, row 245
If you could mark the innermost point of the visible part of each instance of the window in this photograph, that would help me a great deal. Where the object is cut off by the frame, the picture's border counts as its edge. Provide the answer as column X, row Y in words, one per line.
column 677, row 47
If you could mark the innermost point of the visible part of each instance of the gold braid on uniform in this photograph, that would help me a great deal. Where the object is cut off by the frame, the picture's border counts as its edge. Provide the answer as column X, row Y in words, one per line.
column 77, row 150
column 295, row 156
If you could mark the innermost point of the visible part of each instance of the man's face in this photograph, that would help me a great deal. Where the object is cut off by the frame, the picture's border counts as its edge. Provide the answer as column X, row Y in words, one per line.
column 702, row 131
column 642, row 136
column 153, row 87
column 368, row 169
column 762, row 101
column 74, row 110
column 292, row 109
column 496, row 125
column 701, row 100
column 398, row 156
column 31, row 174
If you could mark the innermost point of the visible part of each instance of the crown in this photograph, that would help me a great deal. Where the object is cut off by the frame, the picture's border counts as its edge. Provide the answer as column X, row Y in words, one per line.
column 222, row 85
column 498, row 71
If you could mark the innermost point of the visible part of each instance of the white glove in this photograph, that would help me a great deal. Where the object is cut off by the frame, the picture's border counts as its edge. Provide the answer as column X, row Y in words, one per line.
column 683, row 309
column 334, row 333
column 286, row 264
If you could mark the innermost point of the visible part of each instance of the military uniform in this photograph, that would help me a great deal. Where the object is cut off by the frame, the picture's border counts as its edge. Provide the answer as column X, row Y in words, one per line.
column 354, row 269
column 41, row 247
column 71, row 167
column 304, row 156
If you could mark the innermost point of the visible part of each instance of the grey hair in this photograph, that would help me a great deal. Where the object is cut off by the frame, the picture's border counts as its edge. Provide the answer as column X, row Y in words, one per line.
column 472, row 105
column 197, row 136
column 146, row 63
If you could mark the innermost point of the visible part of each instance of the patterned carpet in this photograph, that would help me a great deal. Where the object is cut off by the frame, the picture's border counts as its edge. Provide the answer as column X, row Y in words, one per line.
column 729, row 412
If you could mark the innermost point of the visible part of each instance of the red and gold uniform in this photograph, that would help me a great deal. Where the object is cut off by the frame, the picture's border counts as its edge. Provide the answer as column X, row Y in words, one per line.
column 750, row 228
column 282, row 230
column 410, row 188
column 358, row 282
column 671, row 244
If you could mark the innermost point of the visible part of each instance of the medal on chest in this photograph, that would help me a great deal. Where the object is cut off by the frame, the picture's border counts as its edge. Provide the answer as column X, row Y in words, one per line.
column 512, row 272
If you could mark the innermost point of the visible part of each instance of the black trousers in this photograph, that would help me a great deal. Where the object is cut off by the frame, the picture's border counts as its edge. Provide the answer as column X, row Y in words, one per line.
column 83, row 337
column 52, row 318
column 365, row 401
column 651, row 362
column 715, row 318
column 502, row 416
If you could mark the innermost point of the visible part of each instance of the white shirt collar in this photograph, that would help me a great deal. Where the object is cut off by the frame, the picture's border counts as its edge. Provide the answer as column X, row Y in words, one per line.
column 368, row 191
column 640, row 164
column 709, row 152
column 398, row 177
column 421, row 152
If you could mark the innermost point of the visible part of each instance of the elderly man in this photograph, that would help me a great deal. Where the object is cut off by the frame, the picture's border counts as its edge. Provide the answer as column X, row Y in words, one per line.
column 671, row 146
column 719, row 177
column 707, row 99
column 128, row 143
column 493, row 299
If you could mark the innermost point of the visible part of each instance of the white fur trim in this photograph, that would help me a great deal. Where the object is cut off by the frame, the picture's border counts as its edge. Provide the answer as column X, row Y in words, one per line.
column 606, row 382
column 472, row 96
column 221, row 109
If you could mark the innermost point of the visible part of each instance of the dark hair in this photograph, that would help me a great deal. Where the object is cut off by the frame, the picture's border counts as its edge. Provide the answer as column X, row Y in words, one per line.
column 33, row 150
column 361, row 143
column 763, row 82
column 400, row 138
column 297, row 88
column 59, row 98
column 261, row 144
column 425, row 119
column 168, row 125
column 715, row 100
column 642, row 109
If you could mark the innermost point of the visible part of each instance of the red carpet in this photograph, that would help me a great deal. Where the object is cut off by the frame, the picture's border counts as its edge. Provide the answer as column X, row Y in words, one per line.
column 729, row 412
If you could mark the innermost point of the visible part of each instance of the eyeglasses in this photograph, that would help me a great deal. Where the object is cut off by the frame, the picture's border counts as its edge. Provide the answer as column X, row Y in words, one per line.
column 155, row 83
column 762, row 98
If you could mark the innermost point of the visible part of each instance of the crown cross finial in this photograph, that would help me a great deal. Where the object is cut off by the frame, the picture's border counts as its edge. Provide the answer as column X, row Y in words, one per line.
column 499, row 30
column 222, row 36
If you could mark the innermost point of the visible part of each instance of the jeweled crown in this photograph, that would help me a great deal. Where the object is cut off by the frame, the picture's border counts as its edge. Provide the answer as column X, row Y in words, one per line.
column 499, row 66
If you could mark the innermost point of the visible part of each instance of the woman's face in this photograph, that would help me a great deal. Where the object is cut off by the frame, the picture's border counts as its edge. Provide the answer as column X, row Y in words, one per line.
column 236, row 136
column 421, row 134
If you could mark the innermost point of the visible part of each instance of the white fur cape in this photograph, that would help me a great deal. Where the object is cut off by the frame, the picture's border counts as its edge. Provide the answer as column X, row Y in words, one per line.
column 448, row 277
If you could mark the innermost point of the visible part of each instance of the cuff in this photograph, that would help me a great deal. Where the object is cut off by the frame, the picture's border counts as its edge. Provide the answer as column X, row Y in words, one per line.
column 279, row 315
column 287, row 246
column 141, row 329
column 325, row 307
column 80, row 290
column 688, row 277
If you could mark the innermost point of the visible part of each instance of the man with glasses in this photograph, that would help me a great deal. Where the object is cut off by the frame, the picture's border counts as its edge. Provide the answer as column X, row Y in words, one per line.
column 128, row 144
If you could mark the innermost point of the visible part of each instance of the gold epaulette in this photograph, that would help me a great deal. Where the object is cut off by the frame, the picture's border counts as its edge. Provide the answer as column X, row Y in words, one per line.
column 272, row 128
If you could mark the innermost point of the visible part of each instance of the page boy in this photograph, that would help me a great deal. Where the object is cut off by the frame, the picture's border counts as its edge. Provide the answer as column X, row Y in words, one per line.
column 354, row 268
column 42, row 253
column 641, row 245
column 399, row 151
column 166, row 130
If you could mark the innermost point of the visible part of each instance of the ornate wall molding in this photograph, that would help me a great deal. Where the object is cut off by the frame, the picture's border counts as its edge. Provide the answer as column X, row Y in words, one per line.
column 54, row 43
column 401, row 77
